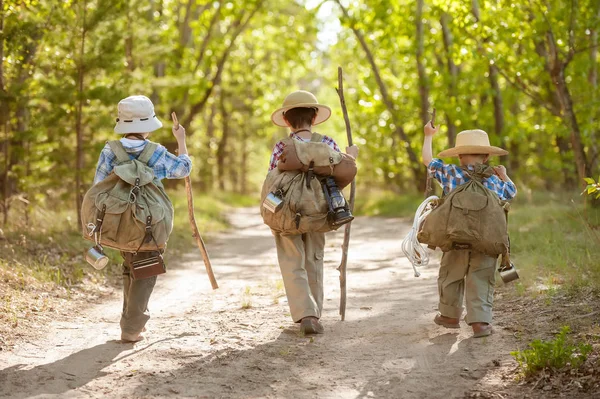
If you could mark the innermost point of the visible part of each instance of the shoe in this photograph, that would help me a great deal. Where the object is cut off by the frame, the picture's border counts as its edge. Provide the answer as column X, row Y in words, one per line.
column 482, row 330
column 311, row 325
column 126, row 337
column 447, row 322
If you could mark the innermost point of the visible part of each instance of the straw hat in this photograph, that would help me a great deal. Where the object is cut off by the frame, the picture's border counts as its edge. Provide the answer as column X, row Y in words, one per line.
column 136, row 115
column 301, row 99
column 472, row 142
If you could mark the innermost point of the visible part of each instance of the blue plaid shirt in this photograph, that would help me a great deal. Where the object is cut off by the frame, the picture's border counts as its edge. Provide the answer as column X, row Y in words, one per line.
column 164, row 164
column 451, row 176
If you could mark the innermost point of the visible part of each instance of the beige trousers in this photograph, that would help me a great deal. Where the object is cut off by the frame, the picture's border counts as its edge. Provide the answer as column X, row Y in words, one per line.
column 469, row 275
column 301, row 263
column 136, row 294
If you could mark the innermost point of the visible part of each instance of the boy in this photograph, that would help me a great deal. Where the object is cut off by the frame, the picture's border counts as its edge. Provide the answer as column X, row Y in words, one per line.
column 301, row 256
column 466, row 272
column 136, row 120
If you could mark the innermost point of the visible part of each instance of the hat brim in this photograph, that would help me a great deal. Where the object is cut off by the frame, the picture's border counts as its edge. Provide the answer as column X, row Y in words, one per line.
column 323, row 113
column 138, row 126
column 472, row 149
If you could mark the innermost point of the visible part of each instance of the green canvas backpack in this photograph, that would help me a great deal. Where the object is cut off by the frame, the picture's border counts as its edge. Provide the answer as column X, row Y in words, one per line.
column 470, row 217
column 129, row 210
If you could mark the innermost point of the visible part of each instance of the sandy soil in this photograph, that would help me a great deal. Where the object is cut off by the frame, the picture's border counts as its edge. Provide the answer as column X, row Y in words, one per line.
column 239, row 341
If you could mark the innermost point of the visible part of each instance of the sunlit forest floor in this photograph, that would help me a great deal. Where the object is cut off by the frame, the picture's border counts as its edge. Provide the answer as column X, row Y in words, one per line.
column 555, row 248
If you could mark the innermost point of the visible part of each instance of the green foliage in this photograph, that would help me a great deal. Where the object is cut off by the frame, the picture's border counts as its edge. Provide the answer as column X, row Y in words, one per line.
column 552, row 355
column 592, row 188
column 554, row 240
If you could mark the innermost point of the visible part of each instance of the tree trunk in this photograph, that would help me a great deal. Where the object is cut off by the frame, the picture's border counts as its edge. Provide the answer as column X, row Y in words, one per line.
column 415, row 165
column 423, row 83
column 5, row 190
column 453, row 71
column 244, row 163
column 557, row 72
column 593, row 80
column 223, row 143
column 129, row 41
column 196, row 108
column 78, row 127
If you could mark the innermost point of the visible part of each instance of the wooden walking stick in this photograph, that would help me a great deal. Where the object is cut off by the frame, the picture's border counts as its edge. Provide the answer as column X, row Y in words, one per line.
column 428, row 188
column 193, row 224
column 346, row 243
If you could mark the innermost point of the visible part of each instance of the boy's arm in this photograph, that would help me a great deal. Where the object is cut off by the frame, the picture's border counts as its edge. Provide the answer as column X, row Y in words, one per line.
column 508, row 188
column 180, row 137
column 104, row 166
column 427, row 152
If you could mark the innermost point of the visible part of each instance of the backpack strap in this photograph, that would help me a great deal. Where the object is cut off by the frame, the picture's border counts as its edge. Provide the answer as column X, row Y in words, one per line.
column 316, row 138
column 147, row 152
column 117, row 148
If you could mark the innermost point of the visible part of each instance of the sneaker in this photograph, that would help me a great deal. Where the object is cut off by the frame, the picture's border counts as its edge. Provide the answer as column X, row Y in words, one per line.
column 311, row 325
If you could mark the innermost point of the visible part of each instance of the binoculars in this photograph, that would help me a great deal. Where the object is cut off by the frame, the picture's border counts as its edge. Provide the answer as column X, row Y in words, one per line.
column 339, row 211
column 95, row 257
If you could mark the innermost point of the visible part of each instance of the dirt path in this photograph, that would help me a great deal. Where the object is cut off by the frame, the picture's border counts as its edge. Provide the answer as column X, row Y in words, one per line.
column 203, row 343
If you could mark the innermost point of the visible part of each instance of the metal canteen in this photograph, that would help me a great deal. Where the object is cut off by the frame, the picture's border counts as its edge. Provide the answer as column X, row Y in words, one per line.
column 273, row 202
column 508, row 273
column 95, row 257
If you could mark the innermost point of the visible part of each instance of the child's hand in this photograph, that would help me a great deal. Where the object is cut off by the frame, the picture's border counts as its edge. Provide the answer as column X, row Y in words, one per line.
column 430, row 130
column 500, row 171
column 179, row 133
column 352, row 151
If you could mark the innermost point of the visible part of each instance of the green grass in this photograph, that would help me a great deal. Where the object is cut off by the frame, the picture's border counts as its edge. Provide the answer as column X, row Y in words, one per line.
column 378, row 203
column 555, row 241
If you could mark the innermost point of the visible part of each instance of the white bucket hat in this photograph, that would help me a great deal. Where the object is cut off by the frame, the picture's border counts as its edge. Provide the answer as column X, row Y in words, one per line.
column 301, row 99
column 136, row 115
column 472, row 142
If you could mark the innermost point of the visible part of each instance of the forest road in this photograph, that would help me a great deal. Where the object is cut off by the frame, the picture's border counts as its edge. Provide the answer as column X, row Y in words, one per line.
column 239, row 342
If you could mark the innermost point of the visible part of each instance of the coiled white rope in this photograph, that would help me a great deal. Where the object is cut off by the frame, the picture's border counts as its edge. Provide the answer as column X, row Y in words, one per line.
column 412, row 248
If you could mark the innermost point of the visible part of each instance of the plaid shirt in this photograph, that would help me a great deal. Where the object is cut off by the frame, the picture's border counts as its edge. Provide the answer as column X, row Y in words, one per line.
column 278, row 149
column 451, row 176
column 164, row 164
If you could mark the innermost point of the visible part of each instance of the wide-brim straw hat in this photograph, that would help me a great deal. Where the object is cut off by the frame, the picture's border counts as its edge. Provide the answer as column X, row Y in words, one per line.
column 472, row 142
column 136, row 115
column 301, row 99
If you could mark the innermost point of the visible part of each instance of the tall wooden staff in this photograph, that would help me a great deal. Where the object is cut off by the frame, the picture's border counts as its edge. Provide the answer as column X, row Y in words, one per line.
column 428, row 188
column 342, row 267
column 193, row 224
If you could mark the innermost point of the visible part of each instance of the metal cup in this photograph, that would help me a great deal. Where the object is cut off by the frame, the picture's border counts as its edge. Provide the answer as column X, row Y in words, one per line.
column 95, row 257
column 273, row 202
column 508, row 273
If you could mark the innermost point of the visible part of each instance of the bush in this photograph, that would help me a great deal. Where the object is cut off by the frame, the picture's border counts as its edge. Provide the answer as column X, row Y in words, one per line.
column 552, row 355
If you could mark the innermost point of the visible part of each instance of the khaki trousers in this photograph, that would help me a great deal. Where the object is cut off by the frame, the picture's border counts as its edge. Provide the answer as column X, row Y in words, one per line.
column 301, row 263
column 470, row 275
column 136, row 294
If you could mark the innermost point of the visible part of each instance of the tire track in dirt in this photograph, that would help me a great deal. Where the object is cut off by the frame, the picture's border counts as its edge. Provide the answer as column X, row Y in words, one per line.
column 239, row 341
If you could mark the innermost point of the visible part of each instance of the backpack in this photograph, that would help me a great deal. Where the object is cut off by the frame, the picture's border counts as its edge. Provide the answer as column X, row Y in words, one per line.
column 297, row 155
column 470, row 217
column 304, row 208
column 129, row 210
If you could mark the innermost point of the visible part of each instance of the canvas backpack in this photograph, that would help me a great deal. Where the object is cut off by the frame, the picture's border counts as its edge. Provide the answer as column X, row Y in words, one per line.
column 304, row 208
column 470, row 217
column 129, row 210
column 297, row 155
